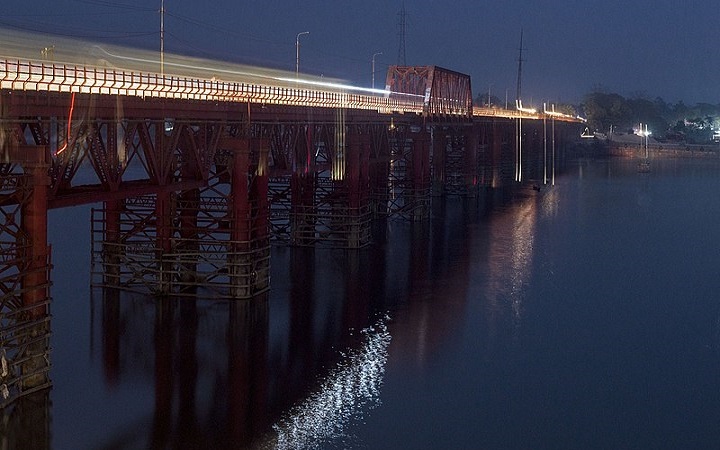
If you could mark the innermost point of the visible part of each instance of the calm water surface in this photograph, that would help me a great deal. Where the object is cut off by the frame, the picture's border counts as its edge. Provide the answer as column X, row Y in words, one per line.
column 586, row 315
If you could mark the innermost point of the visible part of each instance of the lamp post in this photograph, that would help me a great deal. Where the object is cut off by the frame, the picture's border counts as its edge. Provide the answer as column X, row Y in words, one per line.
column 297, row 52
column 373, row 68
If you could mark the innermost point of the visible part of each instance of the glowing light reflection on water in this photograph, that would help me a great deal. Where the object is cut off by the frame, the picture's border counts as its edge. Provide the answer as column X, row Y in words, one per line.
column 351, row 388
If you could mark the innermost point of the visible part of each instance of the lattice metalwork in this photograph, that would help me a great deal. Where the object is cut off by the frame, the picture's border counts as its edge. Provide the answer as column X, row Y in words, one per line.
column 24, row 329
column 209, row 264
column 461, row 163
column 279, row 196
column 331, row 220
column 200, row 247
column 442, row 91
column 404, row 199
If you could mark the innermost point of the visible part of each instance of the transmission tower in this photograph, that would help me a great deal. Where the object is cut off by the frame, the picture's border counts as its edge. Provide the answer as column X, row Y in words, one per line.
column 402, row 23
column 520, row 61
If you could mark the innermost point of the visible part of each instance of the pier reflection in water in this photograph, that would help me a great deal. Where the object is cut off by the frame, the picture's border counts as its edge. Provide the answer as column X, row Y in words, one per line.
column 217, row 381
column 299, row 367
column 583, row 315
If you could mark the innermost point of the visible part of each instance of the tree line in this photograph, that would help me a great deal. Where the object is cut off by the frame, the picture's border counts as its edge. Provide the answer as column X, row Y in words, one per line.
column 606, row 112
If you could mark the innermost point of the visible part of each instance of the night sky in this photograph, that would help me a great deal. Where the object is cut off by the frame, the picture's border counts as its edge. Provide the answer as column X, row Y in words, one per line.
column 638, row 48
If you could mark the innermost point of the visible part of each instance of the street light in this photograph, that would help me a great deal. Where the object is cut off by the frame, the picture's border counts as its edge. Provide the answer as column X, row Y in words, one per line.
column 373, row 68
column 297, row 52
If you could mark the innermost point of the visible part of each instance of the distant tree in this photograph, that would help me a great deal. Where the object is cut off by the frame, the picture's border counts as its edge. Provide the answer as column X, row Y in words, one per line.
column 694, row 124
column 663, row 108
column 649, row 114
column 604, row 110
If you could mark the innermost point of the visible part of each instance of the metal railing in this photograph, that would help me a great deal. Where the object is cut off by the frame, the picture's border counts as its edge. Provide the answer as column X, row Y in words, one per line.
column 26, row 75
column 47, row 76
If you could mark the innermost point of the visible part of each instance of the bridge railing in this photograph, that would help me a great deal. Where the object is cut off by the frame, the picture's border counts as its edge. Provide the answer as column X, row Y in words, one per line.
column 47, row 76
column 479, row 111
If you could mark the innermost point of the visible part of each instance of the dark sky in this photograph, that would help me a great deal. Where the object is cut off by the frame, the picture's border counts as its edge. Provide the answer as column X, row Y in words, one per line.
column 640, row 47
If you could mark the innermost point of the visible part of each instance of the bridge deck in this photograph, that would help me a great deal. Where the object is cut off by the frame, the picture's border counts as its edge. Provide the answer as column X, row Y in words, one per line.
column 48, row 76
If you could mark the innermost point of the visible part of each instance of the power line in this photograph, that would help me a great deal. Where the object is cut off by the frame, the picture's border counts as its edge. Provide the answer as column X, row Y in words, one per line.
column 113, row 4
column 44, row 28
column 219, row 29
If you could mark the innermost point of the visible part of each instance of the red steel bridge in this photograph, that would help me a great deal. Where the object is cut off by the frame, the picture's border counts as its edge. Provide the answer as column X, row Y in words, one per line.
column 198, row 166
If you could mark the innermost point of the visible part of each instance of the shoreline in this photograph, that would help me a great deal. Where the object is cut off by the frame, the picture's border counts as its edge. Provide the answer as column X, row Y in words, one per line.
column 660, row 150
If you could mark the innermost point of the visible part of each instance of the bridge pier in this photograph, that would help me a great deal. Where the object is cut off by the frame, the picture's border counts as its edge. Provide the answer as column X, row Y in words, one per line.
column 504, row 160
column 379, row 171
column 439, row 154
column 112, row 249
column 35, row 280
column 456, row 168
column 421, row 176
column 163, row 246
column 302, row 207
column 176, row 241
column 358, row 186
column 249, row 251
column 34, row 224
column 24, row 272
column 188, row 244
column 470, row 162
column 329, row 198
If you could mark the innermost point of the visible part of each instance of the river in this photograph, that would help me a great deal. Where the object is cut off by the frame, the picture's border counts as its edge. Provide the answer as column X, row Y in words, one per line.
column 583, row 315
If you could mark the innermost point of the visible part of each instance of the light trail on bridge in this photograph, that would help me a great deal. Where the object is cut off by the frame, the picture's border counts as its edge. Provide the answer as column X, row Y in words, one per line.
column 58, row 64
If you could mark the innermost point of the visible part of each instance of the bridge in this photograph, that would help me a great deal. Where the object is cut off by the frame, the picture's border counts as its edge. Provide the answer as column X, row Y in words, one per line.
column 199, row 166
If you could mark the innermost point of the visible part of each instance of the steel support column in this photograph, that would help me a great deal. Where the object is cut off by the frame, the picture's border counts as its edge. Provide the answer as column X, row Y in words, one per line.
column 496, row 155
column 302, row 207
column 239, row 219
column 421, row 175
column 188, row 210
column 112, row 249
column 163, row 236
column 35, row 278
column 439, row 155
column 358, row 181
column 470, row 158
column 248, row 258
column 34, row 224
column 379, row 171
column 260, row 216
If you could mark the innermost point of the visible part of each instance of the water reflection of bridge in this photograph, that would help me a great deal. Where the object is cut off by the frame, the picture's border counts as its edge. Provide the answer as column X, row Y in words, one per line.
column 223, row 371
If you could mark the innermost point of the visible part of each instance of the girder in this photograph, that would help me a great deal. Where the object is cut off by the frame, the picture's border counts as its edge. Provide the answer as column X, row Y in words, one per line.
column 443, row 92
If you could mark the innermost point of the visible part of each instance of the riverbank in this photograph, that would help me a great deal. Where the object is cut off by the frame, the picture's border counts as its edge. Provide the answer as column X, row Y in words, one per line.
column 633, row 146
column 664, row 150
